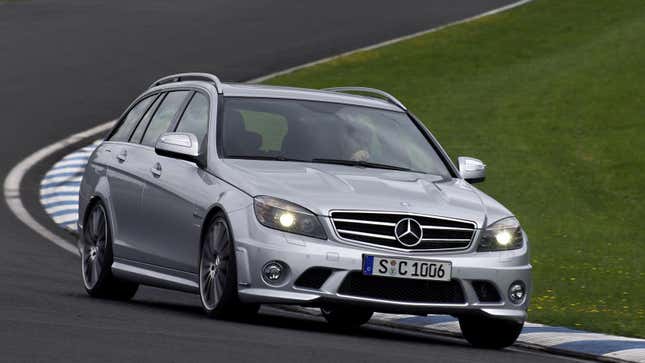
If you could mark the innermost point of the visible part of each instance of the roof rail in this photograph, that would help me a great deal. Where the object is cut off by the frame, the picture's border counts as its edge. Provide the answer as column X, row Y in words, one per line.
column 391, row 99
column 180, row 77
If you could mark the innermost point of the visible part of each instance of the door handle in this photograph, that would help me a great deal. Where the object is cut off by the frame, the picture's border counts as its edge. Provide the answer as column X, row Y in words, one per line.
column 122, row 156
column 156, row 170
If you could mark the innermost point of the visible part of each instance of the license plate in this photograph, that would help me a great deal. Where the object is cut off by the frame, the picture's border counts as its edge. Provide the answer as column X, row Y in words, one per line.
column 406, row 268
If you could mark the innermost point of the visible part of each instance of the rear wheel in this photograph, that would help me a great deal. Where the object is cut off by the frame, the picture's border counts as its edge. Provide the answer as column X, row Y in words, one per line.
column 345, row 317
column 218, row 274
column 491, row 333
column 96, row 258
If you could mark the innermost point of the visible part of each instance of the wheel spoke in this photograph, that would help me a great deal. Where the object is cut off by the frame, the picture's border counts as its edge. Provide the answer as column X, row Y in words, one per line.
column 209, row 251
column 100, row 232
column 204, row 269
column 221, row 230
column 100, row 257
column 214, row 240
column 94, row 226
column 87, row 269
column 96, row 271
column 220, row 280
column 215, row 291
column 223, row 246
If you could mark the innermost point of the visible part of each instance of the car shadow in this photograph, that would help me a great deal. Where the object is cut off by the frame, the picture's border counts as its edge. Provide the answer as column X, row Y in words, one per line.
column 187, row 306
column 275, row 317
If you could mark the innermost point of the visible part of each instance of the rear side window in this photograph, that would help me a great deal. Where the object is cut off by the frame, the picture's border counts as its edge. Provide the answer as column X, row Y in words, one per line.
column 131, row 119
column 143, row 124
column 163, row 116
column 195, row 118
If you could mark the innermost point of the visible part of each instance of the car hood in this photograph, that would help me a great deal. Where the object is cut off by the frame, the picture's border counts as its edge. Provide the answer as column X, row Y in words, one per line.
column 322, row 188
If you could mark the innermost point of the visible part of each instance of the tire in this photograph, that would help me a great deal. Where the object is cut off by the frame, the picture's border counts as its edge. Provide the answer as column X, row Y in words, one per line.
column 218, row 273
column 489, row 333
column 345, row 317
column 95, row 246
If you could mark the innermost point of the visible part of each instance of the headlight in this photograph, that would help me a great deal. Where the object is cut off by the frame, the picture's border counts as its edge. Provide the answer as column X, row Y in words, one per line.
column 505, row 234
column 286, row 216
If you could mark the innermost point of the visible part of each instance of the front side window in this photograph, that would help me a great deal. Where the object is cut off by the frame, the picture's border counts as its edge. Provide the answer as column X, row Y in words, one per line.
column 323, row 132
column 131, row 119
column 195, row 118
column 163, row 116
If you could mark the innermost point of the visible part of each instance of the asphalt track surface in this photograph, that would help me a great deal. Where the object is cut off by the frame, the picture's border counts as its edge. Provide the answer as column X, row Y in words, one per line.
column 66, row 66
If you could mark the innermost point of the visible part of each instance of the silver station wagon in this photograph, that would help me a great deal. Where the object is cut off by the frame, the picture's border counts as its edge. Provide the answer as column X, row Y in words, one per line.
column 339, row 199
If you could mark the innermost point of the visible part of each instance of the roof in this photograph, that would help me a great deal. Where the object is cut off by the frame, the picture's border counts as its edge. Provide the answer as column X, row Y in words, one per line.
column 255, row 90
column 266, row 91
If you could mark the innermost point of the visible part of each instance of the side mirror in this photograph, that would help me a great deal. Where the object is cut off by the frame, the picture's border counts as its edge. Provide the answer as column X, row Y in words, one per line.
column 471, row 169
column 179, row 145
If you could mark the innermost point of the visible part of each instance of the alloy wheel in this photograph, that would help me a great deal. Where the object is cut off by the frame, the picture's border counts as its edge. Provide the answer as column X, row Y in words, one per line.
column 214, row 263
column 93, row 252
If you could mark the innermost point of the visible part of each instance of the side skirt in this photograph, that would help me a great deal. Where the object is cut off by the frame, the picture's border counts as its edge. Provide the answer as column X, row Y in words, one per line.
column 155, row 276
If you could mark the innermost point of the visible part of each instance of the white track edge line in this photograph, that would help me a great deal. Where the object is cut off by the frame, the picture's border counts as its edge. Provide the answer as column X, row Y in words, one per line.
column 388, row 42
column 14, row 179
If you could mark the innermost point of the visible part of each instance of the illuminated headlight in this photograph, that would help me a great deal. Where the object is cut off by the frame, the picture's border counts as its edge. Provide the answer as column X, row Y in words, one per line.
column 505, row 234
column 286, row 216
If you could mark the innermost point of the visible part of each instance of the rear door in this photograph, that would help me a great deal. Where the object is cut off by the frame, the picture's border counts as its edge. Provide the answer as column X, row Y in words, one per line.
column 122, row 160
column 148, row 242
column 171, row 196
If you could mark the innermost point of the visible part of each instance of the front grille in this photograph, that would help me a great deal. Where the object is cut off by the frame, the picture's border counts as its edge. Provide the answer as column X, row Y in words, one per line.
column 402, row 290
column 378, row 228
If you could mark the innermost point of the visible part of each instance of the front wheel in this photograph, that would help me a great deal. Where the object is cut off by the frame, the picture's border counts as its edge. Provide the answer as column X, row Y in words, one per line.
column 345, row 317
column 491, row 333
column 218, row 275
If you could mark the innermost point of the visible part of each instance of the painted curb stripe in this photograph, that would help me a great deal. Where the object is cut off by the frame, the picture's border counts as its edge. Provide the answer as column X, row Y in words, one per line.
column 631, row 355
column 601, row 347
column 63, row 177
column 57, row 203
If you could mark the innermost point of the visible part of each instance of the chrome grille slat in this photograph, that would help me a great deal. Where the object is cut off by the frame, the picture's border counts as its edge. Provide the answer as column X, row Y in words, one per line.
column 446, row 239
column 365, row 222
column 446, row 228
column 378, row 228
column 367, row 234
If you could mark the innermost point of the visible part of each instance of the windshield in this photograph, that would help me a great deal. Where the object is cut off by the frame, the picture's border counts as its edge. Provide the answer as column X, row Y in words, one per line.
column 322, row 132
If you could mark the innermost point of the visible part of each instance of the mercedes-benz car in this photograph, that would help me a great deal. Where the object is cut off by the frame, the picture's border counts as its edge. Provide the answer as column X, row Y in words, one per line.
column 339, row 199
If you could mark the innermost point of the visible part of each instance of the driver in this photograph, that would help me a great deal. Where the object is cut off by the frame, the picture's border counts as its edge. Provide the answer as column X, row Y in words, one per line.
column 358, row 136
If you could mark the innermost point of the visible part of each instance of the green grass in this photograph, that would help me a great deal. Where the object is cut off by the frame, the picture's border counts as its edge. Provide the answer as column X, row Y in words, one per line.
column 552, row 97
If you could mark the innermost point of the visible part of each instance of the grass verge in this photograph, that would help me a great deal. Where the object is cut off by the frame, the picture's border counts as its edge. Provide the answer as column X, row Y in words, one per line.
column 551, row 95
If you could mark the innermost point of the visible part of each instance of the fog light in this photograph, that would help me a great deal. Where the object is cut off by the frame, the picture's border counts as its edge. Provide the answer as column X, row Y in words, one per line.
column 517, row 292
column 273, row 271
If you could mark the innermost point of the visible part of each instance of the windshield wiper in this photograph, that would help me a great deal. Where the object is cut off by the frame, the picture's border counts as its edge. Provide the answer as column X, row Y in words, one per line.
column 265, row 157
column 365, row 164
column 361, row 163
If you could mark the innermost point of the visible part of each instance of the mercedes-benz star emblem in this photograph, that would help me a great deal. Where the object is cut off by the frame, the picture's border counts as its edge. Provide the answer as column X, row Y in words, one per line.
column 408, row 232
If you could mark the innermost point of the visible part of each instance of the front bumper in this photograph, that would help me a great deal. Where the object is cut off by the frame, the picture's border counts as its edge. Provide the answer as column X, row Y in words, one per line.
column 256, row 245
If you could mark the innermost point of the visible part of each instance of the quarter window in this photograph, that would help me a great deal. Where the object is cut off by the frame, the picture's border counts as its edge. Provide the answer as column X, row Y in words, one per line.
column 131, row 119
column 163, row 116
column 195, row 118
column 143, row 124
